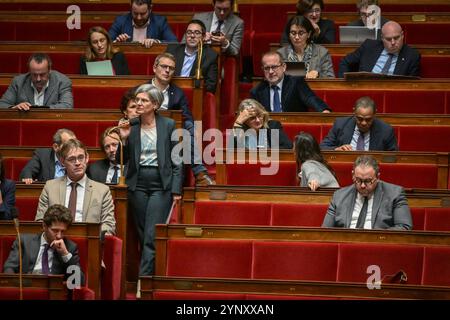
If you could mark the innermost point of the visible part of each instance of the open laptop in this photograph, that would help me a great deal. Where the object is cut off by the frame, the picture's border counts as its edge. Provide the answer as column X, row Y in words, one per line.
column 356, row 34
column 295, row 68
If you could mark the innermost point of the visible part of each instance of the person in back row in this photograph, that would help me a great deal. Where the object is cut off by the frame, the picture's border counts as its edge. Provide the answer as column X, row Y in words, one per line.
column 386, row 56
column 141, row 25
column 365, row 15
column 315, row 172
column 362, row 132
column 45, row 163
column 41, row 86
column 7, row 194
column 280, row 92
column 87, row 200
column 369, row 203
column 100, row 49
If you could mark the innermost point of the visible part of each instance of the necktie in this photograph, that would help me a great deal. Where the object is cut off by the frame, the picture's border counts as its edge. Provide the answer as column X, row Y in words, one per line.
column 360, row 142
column 45, row 266
column 362, row 214
column 388, row 64
column 219, row 26
column 115, row 175
column 73, row 199
column 276, row 99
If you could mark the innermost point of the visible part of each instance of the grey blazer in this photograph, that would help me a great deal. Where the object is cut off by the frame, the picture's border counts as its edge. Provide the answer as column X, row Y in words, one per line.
column 58, row 94
column 233, row 29
column 390, row 208
column 98, row 205
column 320, row 60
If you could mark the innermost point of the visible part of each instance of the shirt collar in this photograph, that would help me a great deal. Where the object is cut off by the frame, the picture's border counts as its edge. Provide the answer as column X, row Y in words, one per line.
column 43, row 89
column 165, row 89
column 81, row 182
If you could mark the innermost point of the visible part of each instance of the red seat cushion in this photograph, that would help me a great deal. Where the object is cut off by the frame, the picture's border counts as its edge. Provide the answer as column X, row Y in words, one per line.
column 437, row 219
column 303, row 215
column 436, row 270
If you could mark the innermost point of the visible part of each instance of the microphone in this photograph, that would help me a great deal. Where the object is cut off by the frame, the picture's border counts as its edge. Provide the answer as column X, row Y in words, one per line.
column 198, row 73
column 109, row 134
column 15, row 216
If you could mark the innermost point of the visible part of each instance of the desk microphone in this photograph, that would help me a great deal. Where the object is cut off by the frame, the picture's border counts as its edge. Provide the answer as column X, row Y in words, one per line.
column 15, row 216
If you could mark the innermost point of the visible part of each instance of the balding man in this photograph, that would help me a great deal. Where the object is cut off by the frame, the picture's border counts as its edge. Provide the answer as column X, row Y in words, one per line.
column 387, row 56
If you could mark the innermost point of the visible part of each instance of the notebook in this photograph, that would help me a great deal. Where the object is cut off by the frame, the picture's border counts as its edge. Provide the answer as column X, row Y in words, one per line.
column 356, row 34
column 99, row 68
column 295, row 68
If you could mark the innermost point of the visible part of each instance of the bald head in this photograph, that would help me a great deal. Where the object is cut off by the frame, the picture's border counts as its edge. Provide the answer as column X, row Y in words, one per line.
column 392, row 36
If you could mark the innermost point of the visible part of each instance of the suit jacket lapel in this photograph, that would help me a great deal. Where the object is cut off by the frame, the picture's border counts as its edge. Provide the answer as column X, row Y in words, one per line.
column 179, row 59
column 49, row 90
column 378, row 195
column 35, row 246
column 87, row 198
column 62, row 190
column 209, row 21
column 285, row 92
column 160, row 147
column 350, row 207
column 29, row 91
column 347, row 132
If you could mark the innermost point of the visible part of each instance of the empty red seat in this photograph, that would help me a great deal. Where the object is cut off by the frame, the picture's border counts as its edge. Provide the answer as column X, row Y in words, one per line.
column 436, row 266
column 437, row 219
column 299, row 215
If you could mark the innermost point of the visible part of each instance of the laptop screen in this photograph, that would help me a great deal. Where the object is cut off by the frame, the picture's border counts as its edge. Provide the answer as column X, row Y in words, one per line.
column 295, row 68
column 356, row 34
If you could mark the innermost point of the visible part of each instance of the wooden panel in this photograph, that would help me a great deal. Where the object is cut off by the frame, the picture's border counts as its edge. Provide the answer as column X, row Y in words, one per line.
column 54, row 284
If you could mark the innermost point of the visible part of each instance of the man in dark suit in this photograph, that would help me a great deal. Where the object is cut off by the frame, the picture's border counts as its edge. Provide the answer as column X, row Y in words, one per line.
column 48, row 252
column 369, row 203
column 141, row 25
column 280, row 92
column 107, row 170
column 41, row 86
column 186, row 56
column 362, row 132
column 175, row 99
column 386, row 56
column 45, row 163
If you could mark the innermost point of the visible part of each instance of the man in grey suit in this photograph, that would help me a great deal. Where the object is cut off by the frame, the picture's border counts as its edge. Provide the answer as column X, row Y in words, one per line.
column 41, row 86
column 48, row 252
column 362, row 131
column 224, row 27
column 45, row 164
column 369, row 203
column 88, row 200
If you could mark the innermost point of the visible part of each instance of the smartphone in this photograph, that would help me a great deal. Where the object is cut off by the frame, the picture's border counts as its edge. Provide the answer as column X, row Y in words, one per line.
column 216, row 33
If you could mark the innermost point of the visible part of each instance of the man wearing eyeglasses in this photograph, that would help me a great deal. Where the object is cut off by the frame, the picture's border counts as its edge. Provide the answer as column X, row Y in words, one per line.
column 366, row 13
column 387, row 56
column 362, row 132
column 141, row 25
column 88, row 200
column 223, row 27
column 186, row 56
column 369, row 203
column 280, row 92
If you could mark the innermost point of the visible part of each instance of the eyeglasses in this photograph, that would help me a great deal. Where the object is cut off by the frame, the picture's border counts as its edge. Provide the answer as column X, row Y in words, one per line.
column 300, row 33
column 165, row 67
column 361, row 119
column 195, row 33
column 273, row 68
column 367, row 182
column 316, row 10
column 366, row 14
column 72, row 160
column 143, row 101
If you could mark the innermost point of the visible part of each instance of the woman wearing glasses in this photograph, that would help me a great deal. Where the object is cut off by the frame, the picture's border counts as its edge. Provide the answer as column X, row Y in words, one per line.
column 154, row 176
column 324, row 30
column 253, row 129
column 100, row 49
column 301, row 48
column 315, row 172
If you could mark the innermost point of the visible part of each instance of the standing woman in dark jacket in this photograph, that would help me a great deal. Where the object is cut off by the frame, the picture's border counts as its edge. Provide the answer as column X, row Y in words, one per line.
column 154, row 177
column 100, row 49
column 7, row 194
column 325, row 29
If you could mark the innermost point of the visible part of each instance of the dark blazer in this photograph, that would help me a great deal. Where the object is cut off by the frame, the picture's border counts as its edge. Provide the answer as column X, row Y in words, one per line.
column 170, row 173
column 158, row 29
column 382, row 136
column 118, row 61
column 8, row 191
column 296, row 96
column 208, row 67
column 98, row 170
column 366, row 55
column 327, row 33
column 390, row 208
column 284, row 141
column 30, row 250
column 41, row 167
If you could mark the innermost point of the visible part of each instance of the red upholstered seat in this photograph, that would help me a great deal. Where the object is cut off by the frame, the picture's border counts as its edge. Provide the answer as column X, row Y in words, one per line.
column 186, row 295
column 354, row 259
column 285, row 297
column 212, row 258
column 250, row 174
column 344, row 100
column 295, row 260
column 413, row 102
column 434, row 67
column 112, row 257
column 424, row 138
column 261, row 44
column 28, row 294
column 10, row 132
column 232, row 213
column 15, row 166
column 27, row 207
column 292, row 129
column 418, row 218
column 5, row 247
column 303, row 215
column 437, row 219
column 436, row 266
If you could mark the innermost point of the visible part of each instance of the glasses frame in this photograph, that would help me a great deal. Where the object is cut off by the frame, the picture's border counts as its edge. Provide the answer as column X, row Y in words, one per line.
column 273, row 68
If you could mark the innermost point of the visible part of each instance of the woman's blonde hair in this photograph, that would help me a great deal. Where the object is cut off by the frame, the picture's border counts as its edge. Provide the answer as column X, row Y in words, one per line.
column 110, row 50
column 260, row 110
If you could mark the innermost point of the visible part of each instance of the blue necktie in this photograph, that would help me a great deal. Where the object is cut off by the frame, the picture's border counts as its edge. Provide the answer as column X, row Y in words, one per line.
column 387, row 66
column 114, row 177
column 45, row 266
column 360, row 142
column 276, row 99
